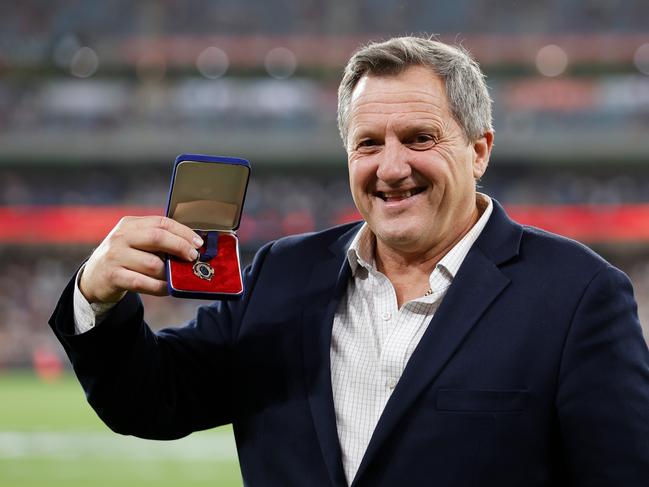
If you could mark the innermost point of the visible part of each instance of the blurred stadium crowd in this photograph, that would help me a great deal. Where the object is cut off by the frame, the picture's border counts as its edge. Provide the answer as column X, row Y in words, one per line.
column 40, row 20
column 97, row 99
column 278, row 203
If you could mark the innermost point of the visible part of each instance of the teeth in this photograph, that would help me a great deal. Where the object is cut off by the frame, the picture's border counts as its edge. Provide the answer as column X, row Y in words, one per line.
column 398, row 194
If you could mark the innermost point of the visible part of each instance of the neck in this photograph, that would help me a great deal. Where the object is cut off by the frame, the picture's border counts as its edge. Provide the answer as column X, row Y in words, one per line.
column 409, row 272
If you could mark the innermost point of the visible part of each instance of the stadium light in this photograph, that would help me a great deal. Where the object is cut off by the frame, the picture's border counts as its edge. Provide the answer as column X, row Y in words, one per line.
column 84, row 63
column 212, row 62
column 551, row 60
column 280, row 63
column 641, row 58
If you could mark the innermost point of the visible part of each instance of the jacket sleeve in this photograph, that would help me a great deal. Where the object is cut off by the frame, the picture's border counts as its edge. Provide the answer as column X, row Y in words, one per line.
column 603, row 392
column 161, row 385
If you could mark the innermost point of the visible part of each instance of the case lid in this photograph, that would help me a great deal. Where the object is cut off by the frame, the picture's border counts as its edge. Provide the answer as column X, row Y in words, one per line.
column 207, row 192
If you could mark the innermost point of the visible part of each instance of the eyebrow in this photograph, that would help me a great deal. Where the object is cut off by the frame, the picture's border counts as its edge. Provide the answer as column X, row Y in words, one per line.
column 414, row 127
column 408, row 128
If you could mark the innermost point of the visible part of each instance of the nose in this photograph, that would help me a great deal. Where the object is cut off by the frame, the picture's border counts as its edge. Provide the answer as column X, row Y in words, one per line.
column 393, row 164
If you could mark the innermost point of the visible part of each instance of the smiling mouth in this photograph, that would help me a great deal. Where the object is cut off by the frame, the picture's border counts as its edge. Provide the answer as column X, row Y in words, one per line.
column 397, row 195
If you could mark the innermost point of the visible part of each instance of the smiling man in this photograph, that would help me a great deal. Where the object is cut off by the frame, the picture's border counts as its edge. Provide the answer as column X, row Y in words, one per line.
column 412, row 172
column 436, row 343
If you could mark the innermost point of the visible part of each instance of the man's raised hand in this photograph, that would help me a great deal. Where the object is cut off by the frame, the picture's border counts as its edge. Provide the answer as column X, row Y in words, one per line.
column 129, row 258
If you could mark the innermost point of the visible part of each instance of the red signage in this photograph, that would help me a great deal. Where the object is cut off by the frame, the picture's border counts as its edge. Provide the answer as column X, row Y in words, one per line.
column 90, row 224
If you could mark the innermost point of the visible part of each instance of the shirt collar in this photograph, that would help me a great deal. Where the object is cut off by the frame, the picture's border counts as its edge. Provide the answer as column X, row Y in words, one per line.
column 361, row 249
column 454, row 257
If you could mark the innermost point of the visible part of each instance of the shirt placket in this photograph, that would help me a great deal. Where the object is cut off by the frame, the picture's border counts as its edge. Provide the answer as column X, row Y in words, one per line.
column 388, row 319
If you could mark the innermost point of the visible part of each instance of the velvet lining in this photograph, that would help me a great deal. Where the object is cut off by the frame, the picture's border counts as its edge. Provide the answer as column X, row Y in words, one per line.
column 227, row 274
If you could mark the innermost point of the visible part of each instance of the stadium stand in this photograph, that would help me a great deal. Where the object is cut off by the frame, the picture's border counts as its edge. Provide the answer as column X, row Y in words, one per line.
column 97, row 98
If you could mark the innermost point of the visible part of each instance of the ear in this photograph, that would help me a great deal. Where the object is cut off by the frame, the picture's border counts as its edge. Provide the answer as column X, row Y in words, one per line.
column 481, row 152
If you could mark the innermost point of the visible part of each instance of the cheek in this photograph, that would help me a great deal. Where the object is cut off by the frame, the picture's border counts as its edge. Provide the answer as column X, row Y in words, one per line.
column 360, row 174
column 355, row 186
column 446, row 168
column 433, row 169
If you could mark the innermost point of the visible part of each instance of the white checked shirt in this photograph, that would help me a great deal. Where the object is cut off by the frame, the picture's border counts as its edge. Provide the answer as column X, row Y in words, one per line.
column 372, row 339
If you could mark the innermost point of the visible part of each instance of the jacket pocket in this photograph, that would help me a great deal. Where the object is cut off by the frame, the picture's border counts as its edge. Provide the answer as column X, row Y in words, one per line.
column 474, row 400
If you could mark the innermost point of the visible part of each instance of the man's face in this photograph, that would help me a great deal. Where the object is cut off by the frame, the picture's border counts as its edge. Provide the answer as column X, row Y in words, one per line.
column 411, row 170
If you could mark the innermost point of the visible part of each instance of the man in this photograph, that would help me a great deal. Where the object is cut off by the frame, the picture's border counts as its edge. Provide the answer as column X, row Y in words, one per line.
column 438, row 343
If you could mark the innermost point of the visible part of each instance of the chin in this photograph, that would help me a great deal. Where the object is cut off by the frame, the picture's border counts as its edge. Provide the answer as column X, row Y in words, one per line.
column 398, row 239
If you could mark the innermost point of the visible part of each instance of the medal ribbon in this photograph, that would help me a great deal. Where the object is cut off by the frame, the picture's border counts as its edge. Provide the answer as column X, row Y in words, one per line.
column 211, row 246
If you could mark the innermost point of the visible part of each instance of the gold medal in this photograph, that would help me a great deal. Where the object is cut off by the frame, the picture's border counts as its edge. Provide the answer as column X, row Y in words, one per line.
column 203, row 270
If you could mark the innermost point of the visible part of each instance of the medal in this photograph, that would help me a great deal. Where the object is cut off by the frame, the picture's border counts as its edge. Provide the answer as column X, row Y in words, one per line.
column 202, row 269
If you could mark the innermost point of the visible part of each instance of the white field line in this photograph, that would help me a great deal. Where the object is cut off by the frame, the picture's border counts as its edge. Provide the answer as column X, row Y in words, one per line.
column 73, row 445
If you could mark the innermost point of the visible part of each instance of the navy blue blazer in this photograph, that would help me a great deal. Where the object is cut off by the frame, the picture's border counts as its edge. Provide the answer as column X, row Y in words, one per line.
column 533, row 372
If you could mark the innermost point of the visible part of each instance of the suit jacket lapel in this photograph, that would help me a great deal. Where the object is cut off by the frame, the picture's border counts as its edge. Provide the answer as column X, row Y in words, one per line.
column 327, row 285
column 477, row 284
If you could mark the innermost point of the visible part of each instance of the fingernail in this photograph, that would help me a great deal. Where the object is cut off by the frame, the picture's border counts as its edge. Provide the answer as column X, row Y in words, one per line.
column 195, row 255
column 198, row 241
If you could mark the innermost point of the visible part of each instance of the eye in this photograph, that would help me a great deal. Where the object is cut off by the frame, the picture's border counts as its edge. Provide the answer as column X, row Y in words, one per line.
column 422, row 141
column 366, row 144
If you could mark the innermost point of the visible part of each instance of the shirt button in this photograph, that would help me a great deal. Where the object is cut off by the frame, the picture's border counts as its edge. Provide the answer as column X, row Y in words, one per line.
column 386, row 316
column 391, row 383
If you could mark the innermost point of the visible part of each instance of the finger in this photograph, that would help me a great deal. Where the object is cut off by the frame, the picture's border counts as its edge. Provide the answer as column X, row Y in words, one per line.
column 172, row 226
column 159, row 240
column 139, row 283
column 146, row 263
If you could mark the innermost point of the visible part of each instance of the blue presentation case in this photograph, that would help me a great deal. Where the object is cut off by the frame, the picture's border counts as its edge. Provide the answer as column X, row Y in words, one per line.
column 207, row 194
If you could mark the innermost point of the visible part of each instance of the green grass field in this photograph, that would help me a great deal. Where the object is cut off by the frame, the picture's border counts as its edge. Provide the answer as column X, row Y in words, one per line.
column 49, row 436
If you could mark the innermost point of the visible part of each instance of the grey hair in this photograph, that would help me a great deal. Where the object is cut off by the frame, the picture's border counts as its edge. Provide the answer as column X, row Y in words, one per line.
column 466, row 89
